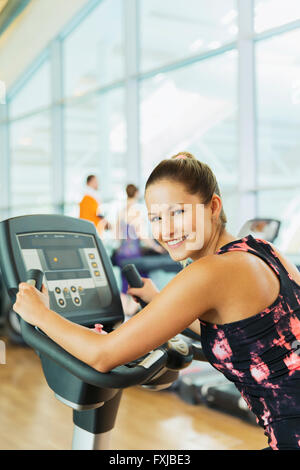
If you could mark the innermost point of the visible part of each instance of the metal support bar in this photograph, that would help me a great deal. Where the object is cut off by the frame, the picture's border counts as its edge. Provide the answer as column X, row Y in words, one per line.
column 58, row 170
column 92, row 427
column 247, row 113
column 4, row 162
column 133, row 161
column 84, row 440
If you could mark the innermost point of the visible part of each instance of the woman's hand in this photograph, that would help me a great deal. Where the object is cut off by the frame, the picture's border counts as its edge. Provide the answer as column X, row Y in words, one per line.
column 31, row 304
column 146, row 293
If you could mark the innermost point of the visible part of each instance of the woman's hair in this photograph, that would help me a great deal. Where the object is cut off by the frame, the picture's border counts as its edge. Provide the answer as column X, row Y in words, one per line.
column 196, row 176
column 131, row 190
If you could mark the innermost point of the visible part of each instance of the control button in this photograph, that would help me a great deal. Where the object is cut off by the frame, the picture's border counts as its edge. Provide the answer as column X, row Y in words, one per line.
column 174, row 340
column 61, row 302
column 77, row 300
column 80, row 289
column 95, row 265
column 66, row 290
column 73, row 289
column 183, row 348
column 97, row 274
column 91, row 256
column 57, row 290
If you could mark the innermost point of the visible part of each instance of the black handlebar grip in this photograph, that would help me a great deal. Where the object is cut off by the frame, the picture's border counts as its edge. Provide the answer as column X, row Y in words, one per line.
column 134, row 279
column 35, row 278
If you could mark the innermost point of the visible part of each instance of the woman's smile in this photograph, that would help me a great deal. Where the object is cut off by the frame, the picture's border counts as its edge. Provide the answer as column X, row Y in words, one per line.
column 176, row 243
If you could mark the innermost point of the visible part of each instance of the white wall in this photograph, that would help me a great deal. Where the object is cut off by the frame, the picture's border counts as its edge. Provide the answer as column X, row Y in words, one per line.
column 31, row 32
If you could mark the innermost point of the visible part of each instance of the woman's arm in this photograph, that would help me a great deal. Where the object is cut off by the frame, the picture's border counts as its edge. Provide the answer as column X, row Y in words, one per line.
column 190, row 294
column 147, row 294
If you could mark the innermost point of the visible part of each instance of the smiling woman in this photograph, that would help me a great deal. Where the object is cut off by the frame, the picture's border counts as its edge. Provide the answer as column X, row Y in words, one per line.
column 245, row 295
column 180, row 228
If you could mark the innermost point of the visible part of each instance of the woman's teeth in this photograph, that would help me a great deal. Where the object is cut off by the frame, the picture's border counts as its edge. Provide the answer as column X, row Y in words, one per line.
column 176, row 242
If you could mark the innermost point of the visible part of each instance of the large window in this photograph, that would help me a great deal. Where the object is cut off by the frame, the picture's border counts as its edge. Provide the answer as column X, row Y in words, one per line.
column 94, row 51
column 129, row 83
column 284, row 205
column 96, row 144
column 193, row 109
column 278, row 124
column 272, row 13
column 34, row 94
column 176, row 29
column 3, row 167
column 278, row 106
column 31, row 173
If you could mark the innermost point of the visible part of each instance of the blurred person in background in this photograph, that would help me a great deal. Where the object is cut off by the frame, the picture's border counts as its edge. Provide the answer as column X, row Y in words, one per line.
column 132, row 233
column 90, row 205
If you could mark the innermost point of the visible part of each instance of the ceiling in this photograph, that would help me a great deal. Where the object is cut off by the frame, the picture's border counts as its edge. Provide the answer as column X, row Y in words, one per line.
column 3, row 4
column 9, row 10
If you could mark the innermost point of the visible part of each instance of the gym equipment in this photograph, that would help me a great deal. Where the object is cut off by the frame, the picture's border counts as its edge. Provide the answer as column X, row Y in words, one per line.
column 201, row 384
column 151, row 263
column 134, row 279
column 68, row 257
column 267, row 229
column 9, row 320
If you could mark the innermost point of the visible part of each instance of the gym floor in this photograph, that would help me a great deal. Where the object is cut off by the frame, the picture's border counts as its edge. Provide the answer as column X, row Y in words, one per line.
column 31, row 417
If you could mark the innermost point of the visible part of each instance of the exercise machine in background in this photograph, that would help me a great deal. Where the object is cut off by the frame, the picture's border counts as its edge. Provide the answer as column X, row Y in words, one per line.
column 266, row 229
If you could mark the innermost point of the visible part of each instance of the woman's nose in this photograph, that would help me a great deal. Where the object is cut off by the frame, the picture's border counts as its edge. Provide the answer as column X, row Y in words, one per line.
column 167, row 228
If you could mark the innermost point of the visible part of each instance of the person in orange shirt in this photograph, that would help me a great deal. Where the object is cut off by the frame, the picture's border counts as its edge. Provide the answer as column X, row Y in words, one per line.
column 90, row 205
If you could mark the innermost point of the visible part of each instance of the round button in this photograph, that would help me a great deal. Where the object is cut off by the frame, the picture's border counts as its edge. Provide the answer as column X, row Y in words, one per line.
column 57, row 290
column 174, row 340
column 95, row 265
column 77, row 300
column 183, row 348
column 61, row 302
column 73, row 289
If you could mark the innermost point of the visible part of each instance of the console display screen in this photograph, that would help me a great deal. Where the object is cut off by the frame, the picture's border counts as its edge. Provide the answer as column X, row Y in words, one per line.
column 72, row 267
column 62, row 258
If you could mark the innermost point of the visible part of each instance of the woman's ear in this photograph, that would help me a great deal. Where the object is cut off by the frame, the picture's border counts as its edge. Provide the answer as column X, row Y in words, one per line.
column 216, row 206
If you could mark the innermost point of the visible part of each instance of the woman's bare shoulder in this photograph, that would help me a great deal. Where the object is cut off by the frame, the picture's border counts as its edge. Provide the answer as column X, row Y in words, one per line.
column 235, row 273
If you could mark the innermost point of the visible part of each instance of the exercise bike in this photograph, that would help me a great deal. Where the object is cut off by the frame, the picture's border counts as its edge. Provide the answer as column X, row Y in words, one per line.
column 68, row 257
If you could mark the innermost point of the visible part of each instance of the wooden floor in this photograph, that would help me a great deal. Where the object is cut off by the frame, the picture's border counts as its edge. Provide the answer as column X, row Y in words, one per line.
column 31, row 418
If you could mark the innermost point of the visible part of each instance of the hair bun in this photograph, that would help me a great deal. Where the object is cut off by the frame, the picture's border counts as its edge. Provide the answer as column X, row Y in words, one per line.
column 184, row 156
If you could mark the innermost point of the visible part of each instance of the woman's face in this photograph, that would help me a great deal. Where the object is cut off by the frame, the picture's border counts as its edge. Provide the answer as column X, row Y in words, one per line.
column 180, row 222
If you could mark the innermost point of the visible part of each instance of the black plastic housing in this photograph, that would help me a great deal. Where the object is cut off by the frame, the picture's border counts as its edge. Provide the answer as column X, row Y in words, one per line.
column 14, row 271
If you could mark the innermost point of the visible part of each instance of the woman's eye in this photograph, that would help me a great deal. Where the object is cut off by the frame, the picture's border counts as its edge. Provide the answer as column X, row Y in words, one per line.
column 179, row 212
